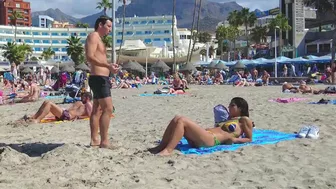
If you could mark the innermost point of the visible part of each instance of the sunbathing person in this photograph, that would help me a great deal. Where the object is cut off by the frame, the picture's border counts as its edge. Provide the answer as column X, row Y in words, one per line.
column 33, row 93
column 289, row 87
column 177, row 85
column 237, row 129
column 78, row 110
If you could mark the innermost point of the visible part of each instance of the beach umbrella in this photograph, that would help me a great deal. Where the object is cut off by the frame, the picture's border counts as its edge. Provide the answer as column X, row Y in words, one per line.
column 69, row 69
column 188, row 67
column 212, row 64
column 239, row 66
column 83, row 67
column 27, row 70
column 221, row 66
column 160, row 65
column 130, row 65
column 54, row 70
column 140, row 67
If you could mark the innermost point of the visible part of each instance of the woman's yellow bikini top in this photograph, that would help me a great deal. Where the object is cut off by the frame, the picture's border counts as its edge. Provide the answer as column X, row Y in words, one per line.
column 230, row 126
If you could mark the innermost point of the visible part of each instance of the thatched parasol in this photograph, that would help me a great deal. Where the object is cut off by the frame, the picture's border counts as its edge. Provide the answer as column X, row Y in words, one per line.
column 27, row 70
column 239, row 66
column 83, row 67
column 141, row 69
column 188, row 67
column 54, row 70
column 160, row 65
column 221, row 66
column 69, row 69
column 212, row 64
column 130, row 65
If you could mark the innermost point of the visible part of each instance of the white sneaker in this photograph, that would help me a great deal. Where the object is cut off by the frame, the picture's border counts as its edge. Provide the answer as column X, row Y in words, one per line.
column 303, row 132
column 314, row 132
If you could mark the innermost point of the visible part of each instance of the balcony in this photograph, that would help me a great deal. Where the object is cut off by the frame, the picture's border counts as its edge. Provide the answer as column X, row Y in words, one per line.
column 309, row 13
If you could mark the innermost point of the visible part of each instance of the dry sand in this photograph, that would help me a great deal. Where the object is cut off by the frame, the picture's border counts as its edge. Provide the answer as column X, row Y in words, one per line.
column 57, row 156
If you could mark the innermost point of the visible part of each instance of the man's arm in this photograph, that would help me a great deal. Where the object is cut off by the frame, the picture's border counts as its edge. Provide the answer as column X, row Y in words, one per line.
column 88, row 108
column 91, row 48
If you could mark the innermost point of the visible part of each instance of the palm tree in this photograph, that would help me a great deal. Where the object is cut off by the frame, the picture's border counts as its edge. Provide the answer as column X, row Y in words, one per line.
column 173, row 33
column 259, row 34
column 123, row 28
column 234, row 18
column 14, row 17
column 232, row 35
column 192, row 30
column 105, row 5
column 47, row 53
column 282, row 22
column 204, row 37
column 82, row 25
column 221, row 35
column 197, row 26
column 16, row 53
column 75, row 49
column 107, row 40
column 327, row 6
column 248, row 19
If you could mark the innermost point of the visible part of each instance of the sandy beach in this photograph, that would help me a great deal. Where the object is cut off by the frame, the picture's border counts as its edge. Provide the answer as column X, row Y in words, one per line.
column 57, row 155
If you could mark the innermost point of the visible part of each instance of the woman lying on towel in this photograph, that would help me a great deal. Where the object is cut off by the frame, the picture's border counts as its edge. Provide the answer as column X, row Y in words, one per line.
column 237, row 129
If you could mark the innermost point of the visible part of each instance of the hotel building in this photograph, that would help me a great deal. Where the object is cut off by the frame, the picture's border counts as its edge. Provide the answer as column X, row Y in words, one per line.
column 7, row 7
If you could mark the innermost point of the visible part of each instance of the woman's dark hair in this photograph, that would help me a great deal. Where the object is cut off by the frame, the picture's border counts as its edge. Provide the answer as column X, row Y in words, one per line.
column 102, row 20
column 87, row 95
column 242, row 105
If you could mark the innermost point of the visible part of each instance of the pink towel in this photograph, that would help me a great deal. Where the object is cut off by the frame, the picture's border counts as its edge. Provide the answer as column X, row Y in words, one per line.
column 287, row 100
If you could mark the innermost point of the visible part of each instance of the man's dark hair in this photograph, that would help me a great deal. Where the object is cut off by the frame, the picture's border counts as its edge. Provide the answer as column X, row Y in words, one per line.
column 102, row 20
column 87, row 95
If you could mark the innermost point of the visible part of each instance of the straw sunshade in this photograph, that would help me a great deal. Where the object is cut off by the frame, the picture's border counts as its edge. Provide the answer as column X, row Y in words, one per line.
column 141, row 69
column 188, row 67
column 27, row 70
column 130, row 65
column 221, row 66
column 83, row 67
column 68, row 69
column 160, row 65
column 54, row 70
column 239, row 66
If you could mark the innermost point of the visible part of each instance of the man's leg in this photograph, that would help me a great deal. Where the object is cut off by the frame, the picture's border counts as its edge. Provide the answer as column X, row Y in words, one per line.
column 104, row 121
column 44, row 110
column 94, row 123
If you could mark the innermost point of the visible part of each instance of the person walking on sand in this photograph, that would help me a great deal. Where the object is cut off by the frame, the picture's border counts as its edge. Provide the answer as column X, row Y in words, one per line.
column 99, row 82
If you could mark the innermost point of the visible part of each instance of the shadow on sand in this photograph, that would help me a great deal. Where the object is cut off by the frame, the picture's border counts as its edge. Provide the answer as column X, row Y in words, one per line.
column 32, row 149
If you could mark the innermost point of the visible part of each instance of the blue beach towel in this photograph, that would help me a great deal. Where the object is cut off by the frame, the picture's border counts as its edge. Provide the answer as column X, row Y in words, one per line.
column 149, row 94
column 260, row 137
column 328, row 102
column 54, row 97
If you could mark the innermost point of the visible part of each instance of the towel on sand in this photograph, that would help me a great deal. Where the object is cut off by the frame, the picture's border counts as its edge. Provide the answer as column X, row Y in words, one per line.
column 260, row 137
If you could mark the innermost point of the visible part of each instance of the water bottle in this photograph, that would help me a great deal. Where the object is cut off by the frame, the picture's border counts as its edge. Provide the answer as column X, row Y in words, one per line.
column 232, row 127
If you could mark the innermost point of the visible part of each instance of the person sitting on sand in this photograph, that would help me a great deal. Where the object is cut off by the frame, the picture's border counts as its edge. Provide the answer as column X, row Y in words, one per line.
column 177, row 85
column 33, row 93
column 265, row 77
column 78, row 110
column 237, row 129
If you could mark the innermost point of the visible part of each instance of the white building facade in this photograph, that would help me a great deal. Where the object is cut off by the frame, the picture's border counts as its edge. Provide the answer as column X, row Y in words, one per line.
column 147, row 29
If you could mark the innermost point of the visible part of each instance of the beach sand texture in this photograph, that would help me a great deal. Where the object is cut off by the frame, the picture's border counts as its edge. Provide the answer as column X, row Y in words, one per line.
column 57, row 155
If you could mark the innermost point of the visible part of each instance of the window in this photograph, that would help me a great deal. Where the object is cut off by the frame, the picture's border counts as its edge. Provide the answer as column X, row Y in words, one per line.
column 157, row 32
column 157, row 39
column 136, row 22
column 119, row 33
column 147, row 41
column 151, row 21
column 138, row 32
column 55, row 49
column 36, row 41
column 166, row 31
column 37, row 49
column 148, row 32
column 46, row 41
column 129, row 33
column 17, row 5
column 64, row 49
column 45, row 33
column 144, row 22
column 119, row 41
column 65, row 34
column 169, row 21
column 127, row 22
column 64, row 42
column 160, row 21
column 54, row 34
column 167, row 39
column 82, row 34
column 55, row 41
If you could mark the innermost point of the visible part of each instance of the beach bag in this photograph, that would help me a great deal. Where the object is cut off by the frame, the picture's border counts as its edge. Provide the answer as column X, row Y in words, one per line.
column 221, row 113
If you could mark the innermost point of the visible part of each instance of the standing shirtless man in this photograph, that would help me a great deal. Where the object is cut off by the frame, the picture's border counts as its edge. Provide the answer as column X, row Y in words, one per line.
column 99, row 82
